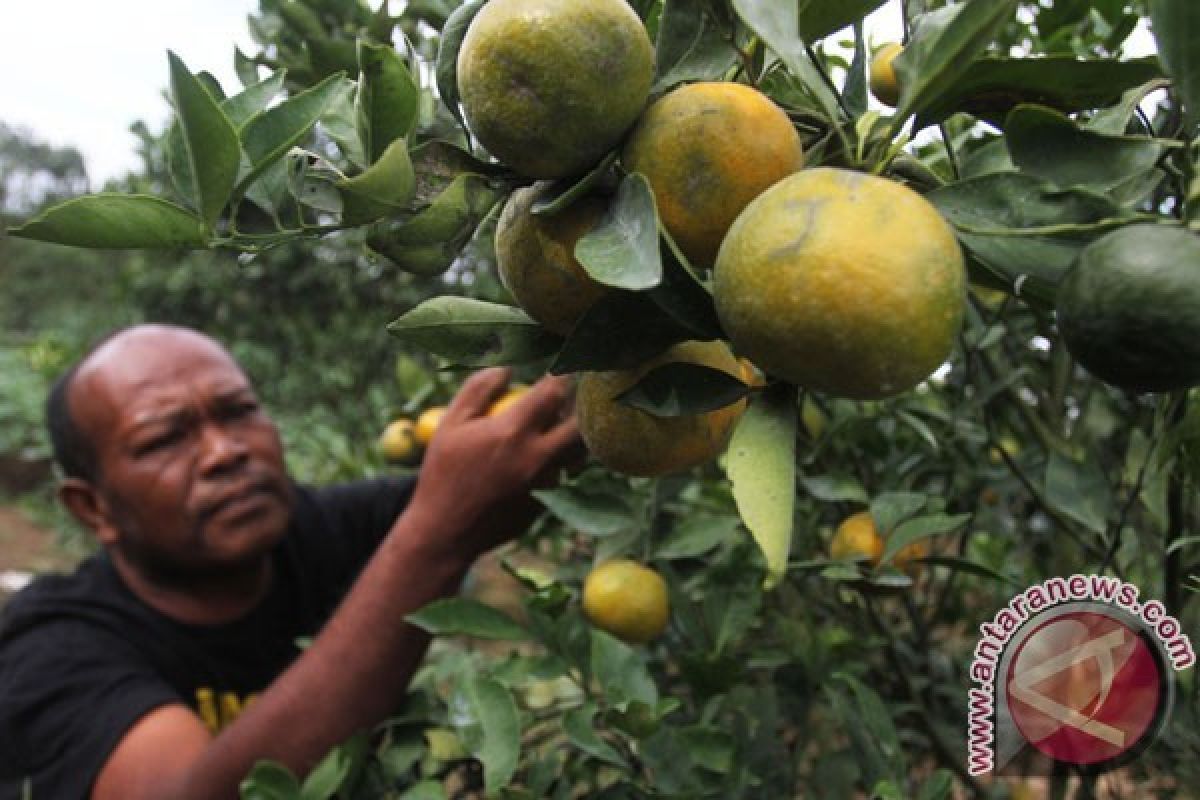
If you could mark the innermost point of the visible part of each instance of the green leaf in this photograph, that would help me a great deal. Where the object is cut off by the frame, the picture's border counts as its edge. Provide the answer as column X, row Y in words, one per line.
column 425, row 790
column 684, row 298
column 1116, row 118
column 474, row 332
column 778, row 24
column 109, row 221
column 938, row 786
column 428, row 243
column 340, row 123
column 591, row 513
column 965, row 565
column 942, row 48
column 819, row 18
column 620, row 330
column 211, row 143
column 337, row 770
column 268, row 136
column 992, row 86
column 269, row 780
column 384, row 189
column 1023, row 230
column 690, row 46
column 244, row 67
column 485, row 715
column 581, row 732
column 890, row 508
column 1176, row 25
column 920, row 528
column 622, row 250
column 1079, row 490
column 450, row 43
column 696, row 534
column 761, row 464
column 834, row 489
column 460, row 616
column 682, row 389
column 253, row 99
column 554, row 196
column 386, row 102
column 1047, row 144
column 621, row 671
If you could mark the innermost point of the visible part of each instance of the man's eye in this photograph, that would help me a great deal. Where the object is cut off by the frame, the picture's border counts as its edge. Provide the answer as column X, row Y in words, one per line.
column 159, row 442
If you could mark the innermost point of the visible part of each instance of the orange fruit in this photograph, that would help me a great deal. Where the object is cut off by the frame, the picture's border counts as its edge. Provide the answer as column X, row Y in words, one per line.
column 550, row 86
column 626, row 599
column 707, row 150
column 398, row 442
column 427, row 424
column 535, row 256
column 635, row 442
column 883, row 75
column 843, row 283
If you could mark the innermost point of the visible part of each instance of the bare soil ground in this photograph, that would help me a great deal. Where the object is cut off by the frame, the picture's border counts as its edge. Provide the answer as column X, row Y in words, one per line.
column 26, row 548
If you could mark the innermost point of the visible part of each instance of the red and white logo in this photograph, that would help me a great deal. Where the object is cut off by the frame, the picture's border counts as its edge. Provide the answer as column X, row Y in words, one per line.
column 1085, row 688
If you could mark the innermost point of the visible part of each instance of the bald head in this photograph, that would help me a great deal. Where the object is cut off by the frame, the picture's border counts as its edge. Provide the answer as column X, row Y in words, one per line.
column 141, row 348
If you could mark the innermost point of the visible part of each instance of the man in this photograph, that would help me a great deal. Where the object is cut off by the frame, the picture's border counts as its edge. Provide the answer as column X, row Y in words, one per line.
column 167, row 665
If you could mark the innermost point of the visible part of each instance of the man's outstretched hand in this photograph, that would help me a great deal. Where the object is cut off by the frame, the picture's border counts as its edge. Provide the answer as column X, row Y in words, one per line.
column 479, row 469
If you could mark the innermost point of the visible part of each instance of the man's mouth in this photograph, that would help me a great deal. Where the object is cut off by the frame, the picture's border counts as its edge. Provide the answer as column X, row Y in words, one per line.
column 244, row 500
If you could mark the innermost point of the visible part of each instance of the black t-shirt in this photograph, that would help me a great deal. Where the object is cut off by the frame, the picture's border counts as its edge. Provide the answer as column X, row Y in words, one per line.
column 82, row 659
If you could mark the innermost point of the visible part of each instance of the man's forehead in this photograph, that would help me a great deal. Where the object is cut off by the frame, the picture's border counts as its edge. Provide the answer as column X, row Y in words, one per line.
column 151, row 361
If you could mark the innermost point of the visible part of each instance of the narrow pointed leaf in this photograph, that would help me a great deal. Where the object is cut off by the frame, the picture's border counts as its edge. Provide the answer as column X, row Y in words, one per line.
column 386, row 103
column 682, row 389
column 117, row 221
column 461, row 616
column 778, row 24
column 919, row 528
column 1176, row 25
column 485, row 715
column 268, row 136
column 209, row 138
column 554, row 196
column 971, row 567
column 581, row 732
column 447, row 58
column 473, row 332
column 761, row 463
column 820, row 18
column 943, row 46
column 253, row 99
column 622, row 250
column 992, row 86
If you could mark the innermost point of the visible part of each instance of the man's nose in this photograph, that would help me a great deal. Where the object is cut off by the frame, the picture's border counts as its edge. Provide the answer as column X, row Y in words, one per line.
column 221, row 450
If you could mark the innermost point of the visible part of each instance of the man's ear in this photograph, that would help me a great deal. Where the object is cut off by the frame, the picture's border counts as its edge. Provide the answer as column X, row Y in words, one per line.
column 88, row 506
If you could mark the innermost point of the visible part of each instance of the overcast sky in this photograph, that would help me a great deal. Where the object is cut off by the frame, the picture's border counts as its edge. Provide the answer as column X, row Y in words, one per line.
column 80, row 72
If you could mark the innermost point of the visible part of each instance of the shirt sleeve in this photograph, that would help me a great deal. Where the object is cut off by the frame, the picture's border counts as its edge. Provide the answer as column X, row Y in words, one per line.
column 68, row 694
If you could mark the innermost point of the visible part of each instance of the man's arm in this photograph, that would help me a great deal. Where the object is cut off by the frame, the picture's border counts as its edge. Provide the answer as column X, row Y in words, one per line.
column 472, row 494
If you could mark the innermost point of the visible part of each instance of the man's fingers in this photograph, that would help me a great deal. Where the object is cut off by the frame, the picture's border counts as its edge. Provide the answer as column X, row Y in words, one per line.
column 477, row 394
column 546, row 402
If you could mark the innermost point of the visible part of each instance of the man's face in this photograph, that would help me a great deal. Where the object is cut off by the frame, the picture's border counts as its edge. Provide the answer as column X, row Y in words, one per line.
column 191, row 477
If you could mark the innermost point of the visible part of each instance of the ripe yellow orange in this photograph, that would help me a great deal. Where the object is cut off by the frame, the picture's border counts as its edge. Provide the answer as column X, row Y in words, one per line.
column 635, row 442
column 843, row 283
column 398, row 442
column 550, row 86
column 535, row 256
column 883, row 74
column 507, row 399
column 626, row 599
column 707, row 150
column 427, row 424
column 856, row 537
